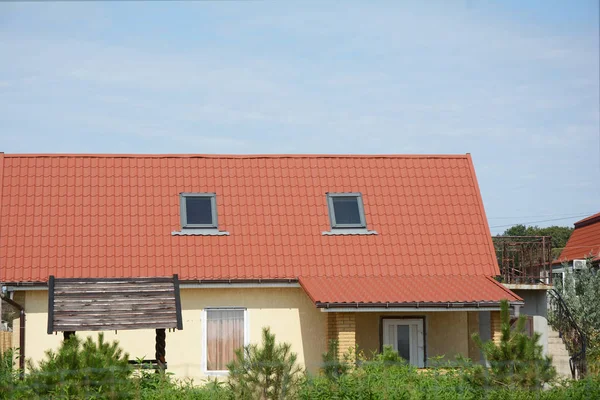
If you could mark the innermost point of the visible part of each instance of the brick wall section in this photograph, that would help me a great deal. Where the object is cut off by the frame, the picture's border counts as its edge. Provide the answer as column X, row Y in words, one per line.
column 342, row 327
column 5, row 341
column 496, row 326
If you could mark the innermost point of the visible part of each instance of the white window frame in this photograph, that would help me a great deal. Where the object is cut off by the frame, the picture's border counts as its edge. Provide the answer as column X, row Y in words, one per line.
column 204, row 359
column 183, row 210
column 361, row 211
column 417, row 344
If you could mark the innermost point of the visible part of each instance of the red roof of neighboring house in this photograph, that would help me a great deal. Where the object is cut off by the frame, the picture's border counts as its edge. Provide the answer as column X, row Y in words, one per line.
column 584, row 241
column 112, row 216
column 405, row 289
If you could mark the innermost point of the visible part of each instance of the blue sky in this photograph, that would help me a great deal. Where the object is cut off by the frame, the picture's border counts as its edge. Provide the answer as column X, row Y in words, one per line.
column 516, row 84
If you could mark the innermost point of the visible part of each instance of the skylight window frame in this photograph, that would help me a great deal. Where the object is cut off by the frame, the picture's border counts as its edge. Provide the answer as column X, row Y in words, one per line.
column 361, row 211
column 183, row 211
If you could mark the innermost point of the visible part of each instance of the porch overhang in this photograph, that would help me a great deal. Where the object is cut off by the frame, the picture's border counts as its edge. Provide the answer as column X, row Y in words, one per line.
column 408, row 293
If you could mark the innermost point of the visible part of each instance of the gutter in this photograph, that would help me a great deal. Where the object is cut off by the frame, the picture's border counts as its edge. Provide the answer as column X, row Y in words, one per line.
column 21, row 333
column 413, row 306
column 187, row 284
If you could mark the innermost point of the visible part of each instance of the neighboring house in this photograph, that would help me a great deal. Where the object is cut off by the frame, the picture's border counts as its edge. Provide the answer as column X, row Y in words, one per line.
column 366, row 250
column 582, row 248
column 525, row 269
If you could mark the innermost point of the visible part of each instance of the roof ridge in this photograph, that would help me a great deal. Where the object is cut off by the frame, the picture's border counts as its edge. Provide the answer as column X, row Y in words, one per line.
column 240, row 156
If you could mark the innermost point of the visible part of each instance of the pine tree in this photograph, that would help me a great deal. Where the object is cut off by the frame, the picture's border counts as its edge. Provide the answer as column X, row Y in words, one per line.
column 266, row 372
column 518, row 360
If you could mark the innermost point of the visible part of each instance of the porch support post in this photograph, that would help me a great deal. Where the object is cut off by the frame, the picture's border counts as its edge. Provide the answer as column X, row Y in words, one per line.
column 342, row 328
column 161, row 349
column 496, row 326
column 473, row 327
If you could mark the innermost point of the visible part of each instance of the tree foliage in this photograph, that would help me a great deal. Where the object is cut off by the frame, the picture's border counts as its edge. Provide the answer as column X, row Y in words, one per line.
column 333, row 365
column 518, row 360
column 8, row 373
column 560, row 234
column 580, row 290
column 79, row 370
column 265, row 372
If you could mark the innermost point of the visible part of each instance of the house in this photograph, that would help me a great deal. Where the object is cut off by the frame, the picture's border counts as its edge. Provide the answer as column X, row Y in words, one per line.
column 367, row 250
column 582, row 248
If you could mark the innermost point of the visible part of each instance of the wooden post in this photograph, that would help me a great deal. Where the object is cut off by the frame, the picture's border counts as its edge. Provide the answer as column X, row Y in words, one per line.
column 160, row 348
column 68, row 334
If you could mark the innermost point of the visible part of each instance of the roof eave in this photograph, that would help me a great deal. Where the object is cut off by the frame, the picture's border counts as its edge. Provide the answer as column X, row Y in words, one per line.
column 419, row 305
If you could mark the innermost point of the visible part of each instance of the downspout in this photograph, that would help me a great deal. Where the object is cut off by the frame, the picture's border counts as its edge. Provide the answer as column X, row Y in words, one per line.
column 21, row 333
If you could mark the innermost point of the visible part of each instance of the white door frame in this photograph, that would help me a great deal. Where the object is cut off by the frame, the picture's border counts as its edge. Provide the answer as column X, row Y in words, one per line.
column 416, row 337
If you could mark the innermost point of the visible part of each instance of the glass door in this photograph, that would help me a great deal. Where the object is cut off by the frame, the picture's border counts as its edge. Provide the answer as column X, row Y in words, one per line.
column 406, row 337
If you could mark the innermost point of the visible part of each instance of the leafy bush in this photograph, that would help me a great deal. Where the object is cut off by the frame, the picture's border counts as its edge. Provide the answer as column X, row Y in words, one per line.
column 517, row 361
column 333, row 367
column 79, row 370
column 581, row 292
column 162, row 387
column 388, row 376
column 8, row 373
column 265, row 372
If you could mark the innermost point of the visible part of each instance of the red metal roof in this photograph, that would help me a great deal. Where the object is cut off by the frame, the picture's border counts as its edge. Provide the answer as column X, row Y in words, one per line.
column 112, row 216
column 584, row 241
column 406, row 289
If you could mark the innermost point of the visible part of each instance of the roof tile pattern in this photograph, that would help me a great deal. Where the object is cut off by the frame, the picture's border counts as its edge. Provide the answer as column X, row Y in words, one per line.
column 112, row 216
column 406, row 289
column 584, row 241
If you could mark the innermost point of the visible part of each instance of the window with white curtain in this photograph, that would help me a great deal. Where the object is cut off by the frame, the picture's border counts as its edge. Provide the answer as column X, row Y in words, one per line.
column 224, row 332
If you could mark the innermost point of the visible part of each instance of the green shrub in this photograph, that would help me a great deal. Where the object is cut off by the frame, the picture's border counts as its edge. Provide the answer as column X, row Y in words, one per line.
column 517, row 361
column 79, row 370
column 333, row 366
column 9, row 375
column 388, row 376
column 161, row 387
column 265, row 372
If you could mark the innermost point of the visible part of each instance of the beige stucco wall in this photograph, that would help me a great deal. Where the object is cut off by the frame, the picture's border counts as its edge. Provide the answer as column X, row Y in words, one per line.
column 288, row 311
column 447, row 333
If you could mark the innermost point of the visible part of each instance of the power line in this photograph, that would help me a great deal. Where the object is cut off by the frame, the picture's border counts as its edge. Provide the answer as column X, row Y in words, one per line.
column 543, row 220
column 541, row 216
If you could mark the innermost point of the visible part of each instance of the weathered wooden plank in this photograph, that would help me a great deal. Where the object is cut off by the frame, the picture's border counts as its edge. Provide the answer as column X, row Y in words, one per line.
column 51, row 304
column 62, row 293
column 113, row 299
column 114, row 295
column 124, row 289
column 177, row 301
column 113, row 313
column 169, row 293
column 79, row 305
column 133, row 280
column 112, row 284
column 116, row 282
column 77, row 326
column 114, row 307
column 116, row 311
column 83, row 323
column 82, row 306
column 116, row 327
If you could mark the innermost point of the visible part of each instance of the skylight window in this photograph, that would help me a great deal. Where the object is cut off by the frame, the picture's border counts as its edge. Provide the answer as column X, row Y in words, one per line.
column 346, row 210
column 199, row 210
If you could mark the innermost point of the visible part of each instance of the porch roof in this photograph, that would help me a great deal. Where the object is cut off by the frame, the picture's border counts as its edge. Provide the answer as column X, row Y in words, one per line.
column 406, row 291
